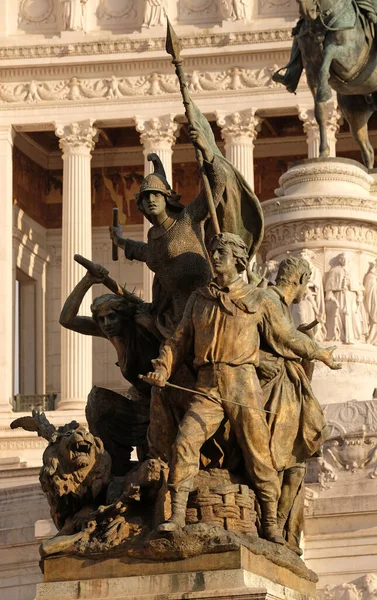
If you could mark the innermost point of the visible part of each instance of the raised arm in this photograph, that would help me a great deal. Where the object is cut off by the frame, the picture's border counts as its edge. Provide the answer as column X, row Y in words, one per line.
column 69, row 316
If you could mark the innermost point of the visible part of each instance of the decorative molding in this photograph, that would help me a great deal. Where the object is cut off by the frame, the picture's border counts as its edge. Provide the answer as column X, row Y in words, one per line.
column 117, row 88
column 129, row 45
column 289, row 204
column 321, row 230
column 322, row 171
column 34, row 14
column 22, row 444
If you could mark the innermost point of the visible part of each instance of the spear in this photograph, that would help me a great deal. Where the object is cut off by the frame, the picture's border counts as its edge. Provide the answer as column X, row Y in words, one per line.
column 173, row 48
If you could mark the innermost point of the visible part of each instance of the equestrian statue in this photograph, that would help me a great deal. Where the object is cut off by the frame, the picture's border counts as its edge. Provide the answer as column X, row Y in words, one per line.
column 334, row 40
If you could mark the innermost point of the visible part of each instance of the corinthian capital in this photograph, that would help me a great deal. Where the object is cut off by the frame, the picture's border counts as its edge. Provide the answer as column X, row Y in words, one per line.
column 239, row 127
column 156, row 133
column 310, row 125
column 77, row 138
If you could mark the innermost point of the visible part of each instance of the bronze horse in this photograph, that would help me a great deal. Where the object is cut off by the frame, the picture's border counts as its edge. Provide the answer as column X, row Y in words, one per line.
column 336, row 41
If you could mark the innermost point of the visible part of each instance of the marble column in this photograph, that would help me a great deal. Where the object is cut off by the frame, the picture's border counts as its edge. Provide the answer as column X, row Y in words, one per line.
column 156, row 135
column 310, row 125
column 239, row 131
column 76, row 142
column 6, row 270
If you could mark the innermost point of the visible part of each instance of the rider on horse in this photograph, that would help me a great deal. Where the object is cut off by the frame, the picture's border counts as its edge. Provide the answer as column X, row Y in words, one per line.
column 294, row 68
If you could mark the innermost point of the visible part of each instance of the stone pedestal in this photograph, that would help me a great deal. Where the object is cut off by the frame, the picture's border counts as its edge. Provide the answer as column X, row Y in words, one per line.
column 329, row 207
column 238, row 574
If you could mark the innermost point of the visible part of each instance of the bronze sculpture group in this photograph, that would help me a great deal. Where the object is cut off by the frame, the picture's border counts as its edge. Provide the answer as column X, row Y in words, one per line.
column 221, row 409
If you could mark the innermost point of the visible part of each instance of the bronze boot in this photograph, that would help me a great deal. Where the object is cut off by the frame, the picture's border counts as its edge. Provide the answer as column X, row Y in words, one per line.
column 178, row 516
column 271, row 530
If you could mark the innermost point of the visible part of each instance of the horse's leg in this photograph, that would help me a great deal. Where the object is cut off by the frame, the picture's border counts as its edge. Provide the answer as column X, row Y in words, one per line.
column 357, row 112
column 320, row 113
column 324, row 92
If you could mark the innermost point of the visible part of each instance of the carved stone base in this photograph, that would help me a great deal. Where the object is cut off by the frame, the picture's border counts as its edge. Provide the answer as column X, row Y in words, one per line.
column 237, row 574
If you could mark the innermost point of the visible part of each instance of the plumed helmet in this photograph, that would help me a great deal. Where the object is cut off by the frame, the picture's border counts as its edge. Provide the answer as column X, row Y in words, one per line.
column 157, row 182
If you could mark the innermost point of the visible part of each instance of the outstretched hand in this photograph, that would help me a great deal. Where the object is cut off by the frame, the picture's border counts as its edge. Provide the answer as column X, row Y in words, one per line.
column 326, row 356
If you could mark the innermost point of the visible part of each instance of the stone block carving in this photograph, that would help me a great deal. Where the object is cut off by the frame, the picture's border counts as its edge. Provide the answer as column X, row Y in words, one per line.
column 235, row 10
column 36, row 13
column 346, row 319
column 269, row 8
column 195, row 11
column 115, row 11
column 370, row 302
column 363, row 588
column 312, row 306
column 154, row 13
column 73, row 14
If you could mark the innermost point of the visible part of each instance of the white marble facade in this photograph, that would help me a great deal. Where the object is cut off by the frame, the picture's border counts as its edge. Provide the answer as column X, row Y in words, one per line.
column 67, row 65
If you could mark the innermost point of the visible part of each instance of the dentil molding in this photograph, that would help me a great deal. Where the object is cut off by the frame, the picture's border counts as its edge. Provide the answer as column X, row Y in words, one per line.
column 290, row 204
column 129, row 45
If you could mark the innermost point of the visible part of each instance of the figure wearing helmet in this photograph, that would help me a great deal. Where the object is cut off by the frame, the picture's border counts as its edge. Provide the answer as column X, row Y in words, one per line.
column 176, row 248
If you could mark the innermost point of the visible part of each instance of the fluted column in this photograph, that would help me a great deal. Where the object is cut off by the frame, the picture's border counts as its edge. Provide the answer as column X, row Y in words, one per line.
column 6, row 270
column 76, row 142
column 156, row 135
column 310, row 125
column 239, row 131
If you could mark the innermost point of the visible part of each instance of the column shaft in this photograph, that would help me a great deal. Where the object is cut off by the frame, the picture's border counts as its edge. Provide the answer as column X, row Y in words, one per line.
column 76, row 141
column 6, row 270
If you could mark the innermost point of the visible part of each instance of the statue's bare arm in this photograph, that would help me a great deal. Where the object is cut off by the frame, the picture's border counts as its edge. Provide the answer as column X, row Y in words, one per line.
column 69, row 316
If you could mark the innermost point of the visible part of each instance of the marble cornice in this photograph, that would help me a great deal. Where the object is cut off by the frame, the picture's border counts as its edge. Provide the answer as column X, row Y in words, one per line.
column 128, row 45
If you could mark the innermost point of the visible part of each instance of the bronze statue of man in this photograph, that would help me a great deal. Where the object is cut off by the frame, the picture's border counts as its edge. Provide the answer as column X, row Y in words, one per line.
column 220, row 327
column 295, row 418
column 293, row 70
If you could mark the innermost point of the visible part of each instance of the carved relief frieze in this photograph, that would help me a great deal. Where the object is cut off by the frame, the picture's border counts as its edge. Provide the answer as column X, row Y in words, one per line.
column 35, row 14
column 110, row 11
column 363, row 588
column 323, row 202
column 155, row 84
column 321, row 230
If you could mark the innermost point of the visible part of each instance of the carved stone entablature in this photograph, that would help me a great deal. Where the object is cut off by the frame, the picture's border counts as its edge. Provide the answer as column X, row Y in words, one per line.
column 155, row 84
column 111, row 12
column 362, row 588
column 269, row 8
column 290, row 204
column 126, row 45
column 36, row 14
